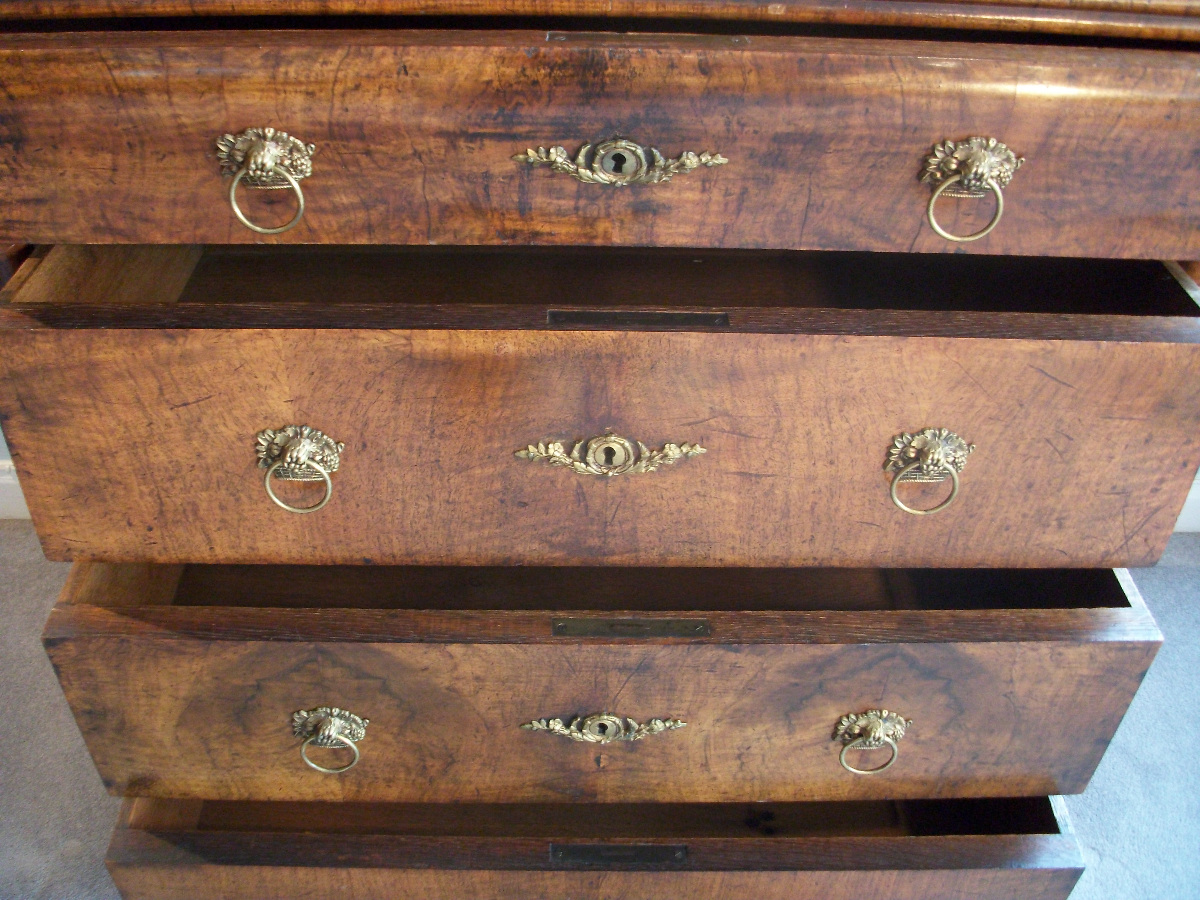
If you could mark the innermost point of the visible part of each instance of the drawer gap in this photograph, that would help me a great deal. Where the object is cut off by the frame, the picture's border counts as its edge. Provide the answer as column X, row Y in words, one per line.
column 648, row 590
column 613, row 821
column 589, row 289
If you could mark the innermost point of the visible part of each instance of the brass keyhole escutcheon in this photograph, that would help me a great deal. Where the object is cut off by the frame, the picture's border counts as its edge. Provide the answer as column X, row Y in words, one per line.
column 609, row 455
column 614, row 162
column 619, row 162
column 603, row 728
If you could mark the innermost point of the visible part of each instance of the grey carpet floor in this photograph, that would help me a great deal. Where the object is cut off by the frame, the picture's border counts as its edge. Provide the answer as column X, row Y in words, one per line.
column 1139, row 822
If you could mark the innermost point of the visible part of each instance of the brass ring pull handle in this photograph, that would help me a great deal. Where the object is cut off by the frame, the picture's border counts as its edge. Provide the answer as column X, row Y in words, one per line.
column 930, row 456
column 619, row 162
column 311, row 466
column 996, row 190
column 609, row 455
column 298, row 453
column 292, row 182
column 329, row 727
column 269, row 160
column 603, row 728
column 875, row 729
column 861, row 744
column 337, row 770
column 970, row 169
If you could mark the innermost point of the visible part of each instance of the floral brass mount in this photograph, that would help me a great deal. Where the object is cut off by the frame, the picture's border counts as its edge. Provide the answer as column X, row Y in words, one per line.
column 298, row 453
column 266, row 159
column 619, row 162
column 609, row 455
column 603, row 728
column 329, row 727
column 875, row 729
column 930, row 456
column 970, row 169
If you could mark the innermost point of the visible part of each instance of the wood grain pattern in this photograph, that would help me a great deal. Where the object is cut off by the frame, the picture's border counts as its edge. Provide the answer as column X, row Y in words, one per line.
column 1150, row 20
column 858, row 850
column 416, row 132
column 170, row 710
column 131, row 275
column 139, row 445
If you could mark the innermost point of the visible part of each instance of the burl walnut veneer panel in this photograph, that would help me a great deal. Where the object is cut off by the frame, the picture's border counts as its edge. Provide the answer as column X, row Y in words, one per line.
column 110, row 137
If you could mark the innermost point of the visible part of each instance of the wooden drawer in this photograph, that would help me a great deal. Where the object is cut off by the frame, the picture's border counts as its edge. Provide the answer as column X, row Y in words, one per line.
column 112, row 137
column 939, row 850
column 133, row 426
column 185, row 683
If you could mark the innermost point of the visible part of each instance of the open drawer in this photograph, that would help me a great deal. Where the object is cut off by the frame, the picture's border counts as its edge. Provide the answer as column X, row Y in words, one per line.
column 478, row 685
column 924, row 850
column 608, row 407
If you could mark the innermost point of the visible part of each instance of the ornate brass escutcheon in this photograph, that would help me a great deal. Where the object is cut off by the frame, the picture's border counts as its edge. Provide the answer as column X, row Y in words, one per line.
column 930, row 456
column 609, row 455
column 619, row 162
column 298, row 453
column 971, row 169
column 329, row 727
column 875, row 729
column 603, row 728
column 266, row 159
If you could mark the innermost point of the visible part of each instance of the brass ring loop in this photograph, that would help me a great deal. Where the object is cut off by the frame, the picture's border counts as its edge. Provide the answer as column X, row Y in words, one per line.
column 338, row 771
column 237, row 211
column 933, row 223
column 299, row 509
column 920, row 512
column 859, row 742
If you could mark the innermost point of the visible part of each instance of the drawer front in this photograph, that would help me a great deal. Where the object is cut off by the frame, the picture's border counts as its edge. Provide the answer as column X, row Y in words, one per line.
column 175, row 851
column 184, row 701
column 415, row 135
column 140, row 445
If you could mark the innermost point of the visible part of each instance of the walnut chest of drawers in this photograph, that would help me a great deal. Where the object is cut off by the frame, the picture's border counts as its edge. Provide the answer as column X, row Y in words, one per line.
column 599, row 452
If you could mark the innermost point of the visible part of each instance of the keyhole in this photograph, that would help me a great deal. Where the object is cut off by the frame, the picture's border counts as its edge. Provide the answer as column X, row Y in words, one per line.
column 602, row 728
column 610, row 454
column 618, row 162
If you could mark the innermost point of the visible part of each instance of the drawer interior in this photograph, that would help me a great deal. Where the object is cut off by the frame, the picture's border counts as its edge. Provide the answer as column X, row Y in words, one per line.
column 597, row 588
column 586, row 288
column 603, row 278
column 609, row 821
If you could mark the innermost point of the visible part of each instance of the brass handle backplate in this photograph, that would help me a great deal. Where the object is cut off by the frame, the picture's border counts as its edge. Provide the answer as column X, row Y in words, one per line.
column 609, row 455
column 603, row 728
column 619, row 162
column 875, row 729
column 971, row 169
column 298, row 453
column 329, row 727
column 266, row 159
column 930, row 456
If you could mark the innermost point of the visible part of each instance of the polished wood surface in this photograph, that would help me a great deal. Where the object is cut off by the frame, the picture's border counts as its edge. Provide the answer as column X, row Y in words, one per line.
column 195, row 700
column 109, row 137
column 990, row 849
column 1087, row 446
column 1150, row 20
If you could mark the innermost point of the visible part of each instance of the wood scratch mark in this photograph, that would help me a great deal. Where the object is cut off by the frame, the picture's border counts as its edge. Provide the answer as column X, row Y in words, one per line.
column 175, row 406
column 1052, row 378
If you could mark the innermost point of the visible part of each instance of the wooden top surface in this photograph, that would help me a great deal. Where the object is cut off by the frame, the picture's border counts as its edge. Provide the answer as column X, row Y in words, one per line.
column 1160, row 20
